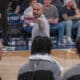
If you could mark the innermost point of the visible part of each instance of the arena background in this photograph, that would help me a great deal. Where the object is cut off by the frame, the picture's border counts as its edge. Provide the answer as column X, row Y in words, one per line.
column 18, row 52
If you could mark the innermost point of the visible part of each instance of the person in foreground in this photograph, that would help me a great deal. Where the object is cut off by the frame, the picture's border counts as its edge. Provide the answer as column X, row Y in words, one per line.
column 41, row 65
column 74, row 72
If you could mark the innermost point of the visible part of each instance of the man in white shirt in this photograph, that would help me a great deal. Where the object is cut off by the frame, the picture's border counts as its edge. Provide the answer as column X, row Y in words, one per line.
column 41, row 25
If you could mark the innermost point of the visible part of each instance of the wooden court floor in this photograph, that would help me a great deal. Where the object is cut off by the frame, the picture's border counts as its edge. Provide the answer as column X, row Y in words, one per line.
column 11, row 61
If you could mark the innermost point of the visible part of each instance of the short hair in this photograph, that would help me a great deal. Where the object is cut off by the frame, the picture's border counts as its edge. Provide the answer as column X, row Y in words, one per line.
column 78, row 46
column 41, row 45
column 13, row 5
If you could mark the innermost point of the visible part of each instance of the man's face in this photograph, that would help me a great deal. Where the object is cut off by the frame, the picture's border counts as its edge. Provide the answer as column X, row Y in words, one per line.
column 47, row 2
column 37, row 11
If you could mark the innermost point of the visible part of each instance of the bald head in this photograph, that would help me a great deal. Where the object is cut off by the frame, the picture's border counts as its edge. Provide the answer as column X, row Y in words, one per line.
column 37, row 10
column 38, row 5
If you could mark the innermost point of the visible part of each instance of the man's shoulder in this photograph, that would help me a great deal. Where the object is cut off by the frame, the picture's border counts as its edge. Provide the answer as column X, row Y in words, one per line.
column 71, row 72
column 42, row 17
column 28, row 9
column 53, row 6
column 24, row 67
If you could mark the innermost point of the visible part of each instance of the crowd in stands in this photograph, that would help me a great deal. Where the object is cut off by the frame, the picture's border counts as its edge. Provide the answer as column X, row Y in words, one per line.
column 42, row 19
column 63, row 17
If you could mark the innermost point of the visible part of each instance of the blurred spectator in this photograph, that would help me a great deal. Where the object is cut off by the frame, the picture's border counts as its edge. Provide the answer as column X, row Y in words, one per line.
column 13, row 7
column 40, row 65
column 78, row 3
column 74, row 72
column 3, row 20
column 52, row 15
column 71, row 15
column 24, row 4
column 27, row 18
column 13, row 17
column 14, row 24
column 41, row 25
column 28, row 13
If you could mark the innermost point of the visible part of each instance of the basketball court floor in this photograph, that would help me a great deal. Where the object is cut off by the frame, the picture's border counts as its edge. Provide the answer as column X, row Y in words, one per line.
column 12, row 60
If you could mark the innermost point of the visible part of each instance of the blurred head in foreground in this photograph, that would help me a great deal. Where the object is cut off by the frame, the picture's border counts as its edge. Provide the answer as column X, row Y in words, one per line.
column 41, row 45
